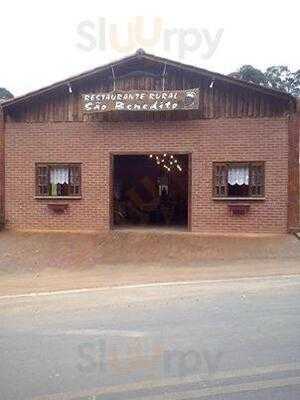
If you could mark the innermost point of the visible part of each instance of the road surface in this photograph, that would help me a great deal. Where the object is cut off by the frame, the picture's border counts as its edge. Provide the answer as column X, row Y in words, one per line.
column 232, row 339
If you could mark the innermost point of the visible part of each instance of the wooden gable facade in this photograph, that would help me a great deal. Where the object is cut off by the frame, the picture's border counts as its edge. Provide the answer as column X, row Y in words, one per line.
column 220, row 96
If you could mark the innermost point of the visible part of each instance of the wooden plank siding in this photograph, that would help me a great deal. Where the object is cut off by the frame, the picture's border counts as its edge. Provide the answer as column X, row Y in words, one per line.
column 221, row 100
column 294, row 179
column 2, row 169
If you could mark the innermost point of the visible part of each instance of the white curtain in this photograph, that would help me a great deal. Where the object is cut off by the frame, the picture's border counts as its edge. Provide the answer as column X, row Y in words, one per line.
column 238, row 175
column 59, row 175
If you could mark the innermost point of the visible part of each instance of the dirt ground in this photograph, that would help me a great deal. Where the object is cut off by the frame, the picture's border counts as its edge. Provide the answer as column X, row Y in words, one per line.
column 31, row 262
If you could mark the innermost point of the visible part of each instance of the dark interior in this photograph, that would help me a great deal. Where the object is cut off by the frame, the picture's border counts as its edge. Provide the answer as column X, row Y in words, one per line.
column 150, row 190
column 238, row 190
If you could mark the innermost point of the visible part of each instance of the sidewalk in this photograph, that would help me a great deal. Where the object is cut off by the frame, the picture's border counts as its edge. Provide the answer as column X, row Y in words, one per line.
column 48, row 281
column 31, row 263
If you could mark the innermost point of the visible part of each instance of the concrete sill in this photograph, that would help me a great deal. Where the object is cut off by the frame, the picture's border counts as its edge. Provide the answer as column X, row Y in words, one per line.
column 58, row 197
column 239, row 198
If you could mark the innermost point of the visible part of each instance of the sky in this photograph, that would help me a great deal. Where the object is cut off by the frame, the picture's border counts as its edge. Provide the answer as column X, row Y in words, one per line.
column 42, row 42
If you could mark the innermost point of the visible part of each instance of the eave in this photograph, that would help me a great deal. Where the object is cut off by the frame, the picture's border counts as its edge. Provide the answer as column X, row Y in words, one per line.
column 141, row 55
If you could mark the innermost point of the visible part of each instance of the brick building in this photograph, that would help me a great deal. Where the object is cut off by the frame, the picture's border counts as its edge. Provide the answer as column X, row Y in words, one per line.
column 147, row 141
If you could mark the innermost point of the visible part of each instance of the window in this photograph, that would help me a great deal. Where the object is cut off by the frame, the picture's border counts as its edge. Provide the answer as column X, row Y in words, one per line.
column 238, row 179
column 58, row 180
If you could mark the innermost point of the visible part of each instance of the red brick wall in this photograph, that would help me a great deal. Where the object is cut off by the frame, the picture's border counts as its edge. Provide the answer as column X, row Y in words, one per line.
column 91, row 143
column 1, row 167
column 294, row 194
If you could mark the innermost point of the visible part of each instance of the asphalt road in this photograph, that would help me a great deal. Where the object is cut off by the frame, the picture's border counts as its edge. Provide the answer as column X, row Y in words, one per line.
column 216, row 340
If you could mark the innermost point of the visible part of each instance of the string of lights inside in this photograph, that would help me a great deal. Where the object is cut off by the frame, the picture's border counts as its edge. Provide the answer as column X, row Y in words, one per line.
column 166, row 161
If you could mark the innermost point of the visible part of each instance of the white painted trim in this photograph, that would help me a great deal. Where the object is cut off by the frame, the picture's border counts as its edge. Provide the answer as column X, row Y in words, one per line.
column 147, row 285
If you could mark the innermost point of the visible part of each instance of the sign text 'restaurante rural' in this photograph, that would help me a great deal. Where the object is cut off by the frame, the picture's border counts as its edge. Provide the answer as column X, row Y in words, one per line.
column 141, row 101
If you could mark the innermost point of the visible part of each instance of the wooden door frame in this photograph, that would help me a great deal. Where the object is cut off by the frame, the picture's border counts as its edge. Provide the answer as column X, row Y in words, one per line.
column 112, row 155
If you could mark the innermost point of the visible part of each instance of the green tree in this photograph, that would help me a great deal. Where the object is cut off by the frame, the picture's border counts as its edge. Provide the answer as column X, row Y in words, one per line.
column 5, row 94
column 275, row 77
column 281, row 78
column 250, row 74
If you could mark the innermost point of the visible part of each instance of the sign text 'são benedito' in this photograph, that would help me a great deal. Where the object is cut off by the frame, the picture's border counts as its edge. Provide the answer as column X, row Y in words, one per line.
column 141, row 101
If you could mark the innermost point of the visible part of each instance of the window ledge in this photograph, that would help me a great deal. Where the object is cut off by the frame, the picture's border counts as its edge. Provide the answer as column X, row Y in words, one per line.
column 58, row 197
column 239, row 198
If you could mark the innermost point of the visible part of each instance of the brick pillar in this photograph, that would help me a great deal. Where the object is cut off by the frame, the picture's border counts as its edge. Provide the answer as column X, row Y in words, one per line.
column 2, row 166
column 294, row 182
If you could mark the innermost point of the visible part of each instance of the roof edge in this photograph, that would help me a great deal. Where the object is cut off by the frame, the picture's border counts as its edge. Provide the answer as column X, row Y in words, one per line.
column 66, row 81
column 139, row 54
column 225, row 78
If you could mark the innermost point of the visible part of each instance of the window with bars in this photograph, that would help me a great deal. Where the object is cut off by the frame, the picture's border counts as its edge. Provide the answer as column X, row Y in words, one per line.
column 238, row 179
column 58, row 180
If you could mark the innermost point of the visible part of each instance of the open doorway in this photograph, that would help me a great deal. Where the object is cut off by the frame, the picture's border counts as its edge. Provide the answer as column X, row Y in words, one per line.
column 150, row 190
